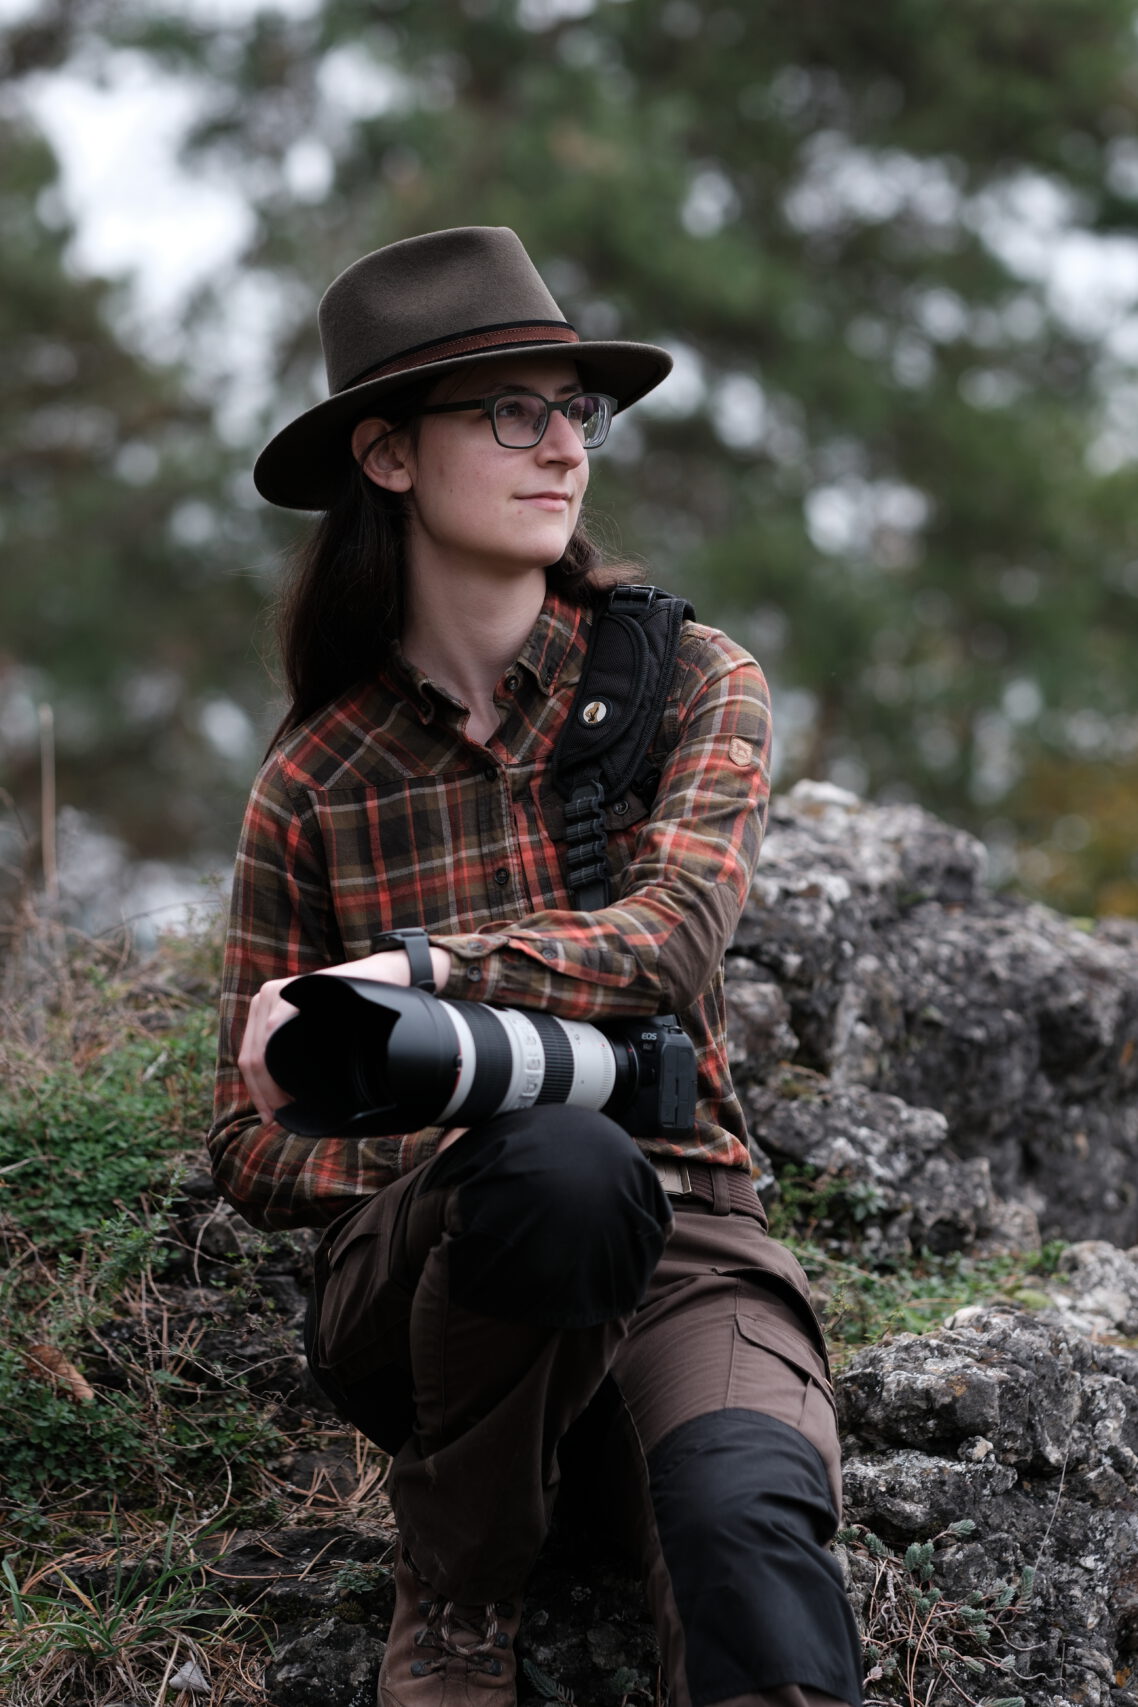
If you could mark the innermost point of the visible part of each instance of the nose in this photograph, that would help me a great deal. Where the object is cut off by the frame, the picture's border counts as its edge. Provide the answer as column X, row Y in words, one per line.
column 561, row 442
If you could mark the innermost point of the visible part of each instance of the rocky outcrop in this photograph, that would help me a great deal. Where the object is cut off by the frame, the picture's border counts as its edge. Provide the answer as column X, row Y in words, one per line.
column 896, row 971
column 1001, row 1454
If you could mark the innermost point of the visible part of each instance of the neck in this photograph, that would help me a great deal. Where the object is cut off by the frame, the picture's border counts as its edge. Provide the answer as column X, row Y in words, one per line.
column 463, row 629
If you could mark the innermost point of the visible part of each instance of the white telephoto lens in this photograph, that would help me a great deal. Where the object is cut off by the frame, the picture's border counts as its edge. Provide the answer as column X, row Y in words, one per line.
column 594, row 1064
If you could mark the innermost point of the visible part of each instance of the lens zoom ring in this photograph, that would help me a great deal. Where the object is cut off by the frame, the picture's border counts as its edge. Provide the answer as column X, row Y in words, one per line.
column 558, row 1078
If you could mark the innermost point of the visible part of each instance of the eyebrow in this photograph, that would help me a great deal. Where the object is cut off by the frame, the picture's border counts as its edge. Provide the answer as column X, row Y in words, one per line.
column 571, row 388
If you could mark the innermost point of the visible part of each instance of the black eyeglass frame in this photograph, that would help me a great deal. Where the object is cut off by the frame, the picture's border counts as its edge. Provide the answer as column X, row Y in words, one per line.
column 489, row 407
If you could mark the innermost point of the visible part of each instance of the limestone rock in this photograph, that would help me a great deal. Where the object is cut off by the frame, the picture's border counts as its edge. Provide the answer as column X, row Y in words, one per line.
column 1098, row 1289
column 902, row 1187
column 903, row 975
column 1024, row 1434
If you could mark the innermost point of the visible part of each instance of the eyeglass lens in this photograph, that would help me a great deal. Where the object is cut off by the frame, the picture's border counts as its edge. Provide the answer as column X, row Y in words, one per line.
column 520, row 418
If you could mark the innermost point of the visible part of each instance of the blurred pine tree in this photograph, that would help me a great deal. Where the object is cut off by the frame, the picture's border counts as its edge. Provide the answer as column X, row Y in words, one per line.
column 898, row 457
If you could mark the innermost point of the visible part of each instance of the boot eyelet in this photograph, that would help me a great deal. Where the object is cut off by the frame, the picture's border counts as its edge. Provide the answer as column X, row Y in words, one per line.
column 501, row 1640
column 495, row 1668
column 418, row 1668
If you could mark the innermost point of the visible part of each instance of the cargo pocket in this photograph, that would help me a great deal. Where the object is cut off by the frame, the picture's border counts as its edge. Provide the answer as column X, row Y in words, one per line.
column 363, row 1313
column 776, row 1369
column 783, row 1283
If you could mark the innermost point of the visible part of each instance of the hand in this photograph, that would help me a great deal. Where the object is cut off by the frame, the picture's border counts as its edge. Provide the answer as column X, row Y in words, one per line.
column 268, row 1010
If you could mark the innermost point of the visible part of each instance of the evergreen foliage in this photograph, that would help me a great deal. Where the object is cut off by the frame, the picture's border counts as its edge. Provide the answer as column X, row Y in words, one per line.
column 898, row 458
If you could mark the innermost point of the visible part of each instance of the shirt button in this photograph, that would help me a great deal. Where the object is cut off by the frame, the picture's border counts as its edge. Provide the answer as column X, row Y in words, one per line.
column 474, row 974
column 620, row 807
column 502, row 876
column 490, row 773
column 549, row 951
column 513, row 683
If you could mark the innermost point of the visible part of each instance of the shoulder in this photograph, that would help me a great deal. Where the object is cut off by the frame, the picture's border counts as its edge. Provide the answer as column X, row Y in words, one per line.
column 335, row 747
column 709, row 661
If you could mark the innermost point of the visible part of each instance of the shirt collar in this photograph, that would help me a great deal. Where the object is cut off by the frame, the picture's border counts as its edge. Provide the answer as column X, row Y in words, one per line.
column 551, row 649
column 552, row 654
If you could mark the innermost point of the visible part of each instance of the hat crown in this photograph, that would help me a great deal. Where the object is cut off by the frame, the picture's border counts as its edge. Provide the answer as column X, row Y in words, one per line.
column 391, row 308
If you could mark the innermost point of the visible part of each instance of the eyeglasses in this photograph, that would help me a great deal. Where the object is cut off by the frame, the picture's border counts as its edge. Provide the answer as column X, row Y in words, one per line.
column 519, row 418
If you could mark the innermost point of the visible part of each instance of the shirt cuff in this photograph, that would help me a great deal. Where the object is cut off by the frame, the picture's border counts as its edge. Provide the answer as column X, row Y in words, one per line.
column 473, row 974
column 477, row 970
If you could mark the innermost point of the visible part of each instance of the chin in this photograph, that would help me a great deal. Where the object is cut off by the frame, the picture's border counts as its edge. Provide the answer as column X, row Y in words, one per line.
column 538, row 552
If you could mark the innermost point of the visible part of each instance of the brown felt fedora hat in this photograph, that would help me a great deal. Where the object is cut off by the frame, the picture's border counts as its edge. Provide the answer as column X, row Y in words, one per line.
column 417, row 310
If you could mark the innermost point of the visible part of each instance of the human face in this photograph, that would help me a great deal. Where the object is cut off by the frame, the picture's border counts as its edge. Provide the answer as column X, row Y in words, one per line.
column 473, row 502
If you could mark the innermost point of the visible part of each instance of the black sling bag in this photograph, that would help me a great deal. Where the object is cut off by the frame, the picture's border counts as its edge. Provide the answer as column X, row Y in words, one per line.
column 602, row 749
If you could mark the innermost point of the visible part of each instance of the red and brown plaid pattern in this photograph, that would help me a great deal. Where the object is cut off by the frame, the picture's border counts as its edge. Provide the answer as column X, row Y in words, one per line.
column 379, row 813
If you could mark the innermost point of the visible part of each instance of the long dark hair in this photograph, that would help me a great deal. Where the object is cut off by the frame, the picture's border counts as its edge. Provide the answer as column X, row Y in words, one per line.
column 341, row 605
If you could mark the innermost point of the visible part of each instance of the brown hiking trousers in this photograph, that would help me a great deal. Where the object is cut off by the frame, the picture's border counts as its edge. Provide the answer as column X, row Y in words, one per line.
column 528, row 1303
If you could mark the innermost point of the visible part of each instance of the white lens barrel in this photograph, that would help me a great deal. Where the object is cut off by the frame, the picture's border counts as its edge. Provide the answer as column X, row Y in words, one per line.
column 593, row 1062
column 528, row 1055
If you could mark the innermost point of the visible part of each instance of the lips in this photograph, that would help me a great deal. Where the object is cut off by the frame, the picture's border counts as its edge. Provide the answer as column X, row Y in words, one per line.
column 549, row 500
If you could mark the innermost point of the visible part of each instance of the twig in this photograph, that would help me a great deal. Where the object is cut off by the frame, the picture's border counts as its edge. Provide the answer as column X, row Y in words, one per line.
column 48, row 808
column 168, row 1674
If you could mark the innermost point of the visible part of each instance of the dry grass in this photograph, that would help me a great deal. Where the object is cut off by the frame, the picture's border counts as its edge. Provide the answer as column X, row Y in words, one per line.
column 141, row 1451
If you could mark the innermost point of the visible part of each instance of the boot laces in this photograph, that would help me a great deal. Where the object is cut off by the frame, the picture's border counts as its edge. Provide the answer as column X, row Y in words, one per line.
column 448, row 1629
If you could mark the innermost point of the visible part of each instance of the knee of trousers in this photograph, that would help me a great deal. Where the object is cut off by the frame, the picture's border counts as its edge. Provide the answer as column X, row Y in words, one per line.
column 556, row 1218
column 743, row 1514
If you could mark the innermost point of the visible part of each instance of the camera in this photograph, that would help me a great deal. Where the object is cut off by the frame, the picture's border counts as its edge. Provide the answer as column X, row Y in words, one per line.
column 365, row 1059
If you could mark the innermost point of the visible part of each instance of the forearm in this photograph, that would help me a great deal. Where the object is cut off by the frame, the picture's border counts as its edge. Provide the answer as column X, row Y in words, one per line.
column 652, row 953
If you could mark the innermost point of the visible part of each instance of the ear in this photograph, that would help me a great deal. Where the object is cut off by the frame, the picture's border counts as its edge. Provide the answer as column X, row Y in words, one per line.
column 384, row 454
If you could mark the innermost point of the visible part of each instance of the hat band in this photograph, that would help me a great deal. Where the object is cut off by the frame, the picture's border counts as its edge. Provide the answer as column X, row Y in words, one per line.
column 472, row 343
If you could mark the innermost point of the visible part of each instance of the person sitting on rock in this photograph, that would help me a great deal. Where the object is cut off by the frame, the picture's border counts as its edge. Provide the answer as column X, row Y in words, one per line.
column 487, row 1296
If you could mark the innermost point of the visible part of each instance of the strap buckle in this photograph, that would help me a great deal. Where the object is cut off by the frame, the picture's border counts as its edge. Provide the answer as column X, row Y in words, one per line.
column 673, row 1176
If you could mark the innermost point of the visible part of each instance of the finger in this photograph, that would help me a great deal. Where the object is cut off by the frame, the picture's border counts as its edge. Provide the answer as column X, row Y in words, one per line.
column 267, row 1012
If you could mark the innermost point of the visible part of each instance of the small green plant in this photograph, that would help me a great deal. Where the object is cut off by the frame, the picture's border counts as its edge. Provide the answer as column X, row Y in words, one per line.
column 859, row 1302
column 918, row 1635
column 86, row 1399
column 550, row 1693
column 84, row 1138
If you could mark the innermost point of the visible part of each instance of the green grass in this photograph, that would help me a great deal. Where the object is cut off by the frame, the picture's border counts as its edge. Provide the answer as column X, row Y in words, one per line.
column 121, row 1441
column 125, row 1625
column 87, row 1138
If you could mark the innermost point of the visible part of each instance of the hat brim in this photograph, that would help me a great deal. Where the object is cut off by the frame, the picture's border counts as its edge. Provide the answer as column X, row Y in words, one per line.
column 305, row 466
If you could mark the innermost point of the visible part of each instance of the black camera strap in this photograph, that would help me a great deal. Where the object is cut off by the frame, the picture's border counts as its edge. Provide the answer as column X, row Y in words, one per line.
column 603, row 747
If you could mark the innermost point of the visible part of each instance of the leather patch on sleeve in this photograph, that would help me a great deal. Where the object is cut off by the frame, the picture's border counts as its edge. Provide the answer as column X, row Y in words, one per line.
column 741, row 752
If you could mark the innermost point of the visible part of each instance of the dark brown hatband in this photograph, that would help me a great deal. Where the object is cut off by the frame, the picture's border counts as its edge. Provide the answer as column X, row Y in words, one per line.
column 471, row 343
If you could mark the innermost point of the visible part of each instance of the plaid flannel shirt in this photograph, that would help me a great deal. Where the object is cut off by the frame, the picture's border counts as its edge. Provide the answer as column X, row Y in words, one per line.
column 380, row 813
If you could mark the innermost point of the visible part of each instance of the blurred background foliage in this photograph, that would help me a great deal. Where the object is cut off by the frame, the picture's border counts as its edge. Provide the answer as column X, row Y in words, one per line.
column 893, row 248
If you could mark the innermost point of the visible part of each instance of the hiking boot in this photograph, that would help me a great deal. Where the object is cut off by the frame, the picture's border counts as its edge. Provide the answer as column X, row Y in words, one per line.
column 445, row 1653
